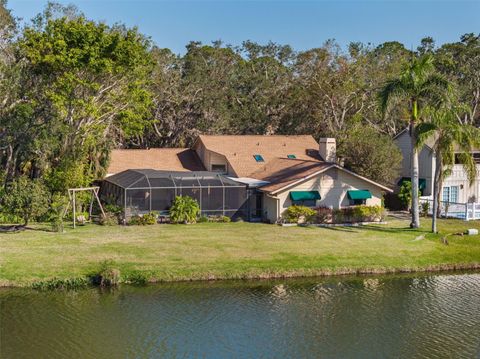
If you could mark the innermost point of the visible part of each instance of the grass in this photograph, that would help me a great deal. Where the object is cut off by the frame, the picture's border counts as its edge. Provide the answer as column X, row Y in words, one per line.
column 232, row 250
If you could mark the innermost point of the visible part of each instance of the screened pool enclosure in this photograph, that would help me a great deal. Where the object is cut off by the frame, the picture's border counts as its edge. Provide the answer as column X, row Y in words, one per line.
column 145, row 190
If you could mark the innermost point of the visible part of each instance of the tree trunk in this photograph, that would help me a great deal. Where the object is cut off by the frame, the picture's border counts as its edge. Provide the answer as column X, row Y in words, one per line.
column 437, row 183
column 414, row 174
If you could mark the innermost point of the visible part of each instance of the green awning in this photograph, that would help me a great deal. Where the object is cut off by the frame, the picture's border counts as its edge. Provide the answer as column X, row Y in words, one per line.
column 359, row 194
column 422, row 182
column 304, row 195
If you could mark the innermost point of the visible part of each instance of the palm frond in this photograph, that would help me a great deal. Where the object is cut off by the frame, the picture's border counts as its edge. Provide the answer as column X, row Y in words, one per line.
column 395, row 88
column 424, row 131
column 422, row 67
column 469, row 165
column 436, row 89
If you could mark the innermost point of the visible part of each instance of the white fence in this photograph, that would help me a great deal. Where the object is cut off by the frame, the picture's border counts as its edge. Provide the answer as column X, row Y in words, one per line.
column 465, row 211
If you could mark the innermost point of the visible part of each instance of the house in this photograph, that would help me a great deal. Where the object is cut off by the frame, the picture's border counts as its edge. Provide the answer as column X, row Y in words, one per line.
column 277, row 171
column 456, row 187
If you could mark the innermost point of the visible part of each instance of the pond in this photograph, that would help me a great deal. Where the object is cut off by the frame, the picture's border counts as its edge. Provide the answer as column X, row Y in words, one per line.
column 409, row 316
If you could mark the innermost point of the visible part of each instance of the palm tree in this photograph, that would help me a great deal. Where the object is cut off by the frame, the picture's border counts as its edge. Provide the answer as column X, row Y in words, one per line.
column 418, row 85
column 451, row 141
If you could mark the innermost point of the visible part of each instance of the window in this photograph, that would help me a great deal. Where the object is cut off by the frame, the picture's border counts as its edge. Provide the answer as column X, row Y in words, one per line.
column 476, row 157
column 219, row 168
column 291, row 156
column 450, row 194
column 358, row 197
column 258, row 158
column 454, row 194
column 306, row 203
column 446, row 194
column 305, row 198
column 357, row 202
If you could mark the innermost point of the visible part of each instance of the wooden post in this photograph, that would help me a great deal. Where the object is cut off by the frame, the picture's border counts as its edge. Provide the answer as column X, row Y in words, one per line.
column 74, row 209
column 90, row 207
column 95, row 192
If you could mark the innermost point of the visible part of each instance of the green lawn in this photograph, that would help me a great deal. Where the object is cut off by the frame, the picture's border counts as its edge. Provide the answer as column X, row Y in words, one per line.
column 231, row 250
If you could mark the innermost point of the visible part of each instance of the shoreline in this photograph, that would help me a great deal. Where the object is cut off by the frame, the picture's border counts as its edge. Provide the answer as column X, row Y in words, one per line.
column 438, row 268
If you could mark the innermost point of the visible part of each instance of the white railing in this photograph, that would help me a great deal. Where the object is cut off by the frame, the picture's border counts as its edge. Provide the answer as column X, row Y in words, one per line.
column 473, row 211
column 465, row 211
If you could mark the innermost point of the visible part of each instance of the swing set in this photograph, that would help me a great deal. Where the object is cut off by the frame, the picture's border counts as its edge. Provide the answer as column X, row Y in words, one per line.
column 72, row 201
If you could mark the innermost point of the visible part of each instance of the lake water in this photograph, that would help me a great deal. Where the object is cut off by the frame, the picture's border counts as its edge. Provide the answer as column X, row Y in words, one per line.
column 420, row 316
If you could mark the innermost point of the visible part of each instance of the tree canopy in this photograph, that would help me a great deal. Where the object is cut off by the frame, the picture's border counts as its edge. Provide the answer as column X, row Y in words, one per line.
column 71, row 89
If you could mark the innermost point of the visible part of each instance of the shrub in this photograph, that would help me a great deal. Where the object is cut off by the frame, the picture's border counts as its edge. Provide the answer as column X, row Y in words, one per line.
column 137, row 278
column 57, row 210
column 219, row 219
column 67, row 284
column 26, row 198
column 142, row 220
column 425, row 208
column 298, row 214
column 324, row 215
column 113, row 208
column 108, row 275
column 184, row 209
column 110, row 219
column 113, row 215
column 202, row 219
column 135, row 221
column 405, row 195
column 359, row 214
column 149, row 218
column 338, row 216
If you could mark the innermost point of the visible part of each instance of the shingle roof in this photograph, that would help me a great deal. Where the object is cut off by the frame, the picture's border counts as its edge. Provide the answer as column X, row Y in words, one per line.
column 284, row 171
column 169, row 159
column 240, row 150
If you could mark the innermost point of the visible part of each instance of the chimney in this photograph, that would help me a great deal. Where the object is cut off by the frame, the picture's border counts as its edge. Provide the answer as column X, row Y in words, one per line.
column 328, row 149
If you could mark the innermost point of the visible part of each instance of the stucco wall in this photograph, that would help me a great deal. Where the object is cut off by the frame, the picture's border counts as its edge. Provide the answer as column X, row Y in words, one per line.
column 426, row 161
column 333, row 186
column 270, row 211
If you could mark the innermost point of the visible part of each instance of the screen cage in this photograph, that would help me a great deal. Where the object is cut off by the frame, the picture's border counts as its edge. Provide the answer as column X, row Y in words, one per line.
column 145, row 190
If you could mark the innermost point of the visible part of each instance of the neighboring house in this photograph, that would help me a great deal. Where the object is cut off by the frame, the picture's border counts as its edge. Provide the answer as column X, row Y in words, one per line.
column 456, row 187
column 278, row 171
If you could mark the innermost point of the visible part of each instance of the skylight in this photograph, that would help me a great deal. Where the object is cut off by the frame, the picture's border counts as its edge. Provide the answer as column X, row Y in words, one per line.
column 258, row 158
column 291, row 156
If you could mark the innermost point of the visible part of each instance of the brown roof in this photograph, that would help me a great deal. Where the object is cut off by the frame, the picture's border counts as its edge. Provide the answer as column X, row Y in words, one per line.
column 169, row 159
column 240, row 150
column 282, row 172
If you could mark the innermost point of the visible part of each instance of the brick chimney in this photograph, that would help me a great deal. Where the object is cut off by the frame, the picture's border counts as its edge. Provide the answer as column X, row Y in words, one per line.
column 328, row 149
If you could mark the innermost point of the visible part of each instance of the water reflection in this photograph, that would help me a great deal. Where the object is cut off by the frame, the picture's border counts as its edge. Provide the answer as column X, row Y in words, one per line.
column 358, row 317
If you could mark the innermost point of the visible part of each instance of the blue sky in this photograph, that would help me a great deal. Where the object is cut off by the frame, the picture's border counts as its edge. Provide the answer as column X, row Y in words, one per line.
column 302, row 24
